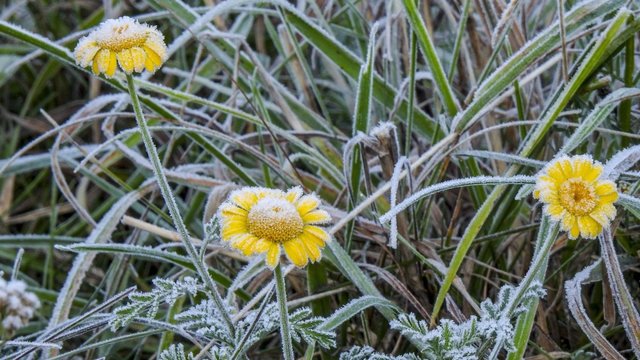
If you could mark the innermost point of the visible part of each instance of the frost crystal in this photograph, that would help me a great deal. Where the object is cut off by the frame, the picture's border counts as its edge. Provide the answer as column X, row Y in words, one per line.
column 17, row 305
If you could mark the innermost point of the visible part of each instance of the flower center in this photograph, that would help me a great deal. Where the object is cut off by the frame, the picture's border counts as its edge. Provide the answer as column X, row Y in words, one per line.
column 123, row 36
column 578, row 196
column 275, row 220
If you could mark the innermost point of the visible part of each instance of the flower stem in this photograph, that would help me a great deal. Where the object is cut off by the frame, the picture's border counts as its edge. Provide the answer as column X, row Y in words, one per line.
column 167, row 195
column 285, row 328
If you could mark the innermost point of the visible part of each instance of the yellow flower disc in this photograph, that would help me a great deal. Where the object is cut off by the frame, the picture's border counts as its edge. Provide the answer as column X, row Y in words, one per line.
column 575, row 195
column 259, row 220
column 122, row 41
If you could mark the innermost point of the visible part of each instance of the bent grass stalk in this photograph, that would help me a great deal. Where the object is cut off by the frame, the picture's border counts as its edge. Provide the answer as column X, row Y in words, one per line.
column 171, row 202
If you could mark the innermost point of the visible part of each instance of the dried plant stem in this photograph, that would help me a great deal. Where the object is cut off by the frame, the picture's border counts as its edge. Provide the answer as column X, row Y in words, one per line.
column 171, row 202
column 281, row 294
column 624, row 300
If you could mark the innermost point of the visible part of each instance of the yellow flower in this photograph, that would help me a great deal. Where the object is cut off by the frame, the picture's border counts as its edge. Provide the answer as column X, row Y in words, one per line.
column 259, row 220
column 122, row 41
column 575, row 195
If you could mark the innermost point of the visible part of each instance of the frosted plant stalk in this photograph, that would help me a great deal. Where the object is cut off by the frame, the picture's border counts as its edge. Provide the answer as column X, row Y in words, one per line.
column 171, row 202
column 285, row 327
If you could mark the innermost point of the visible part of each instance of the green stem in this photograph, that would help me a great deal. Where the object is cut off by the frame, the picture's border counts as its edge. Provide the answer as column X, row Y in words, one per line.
column 171, row 202
column 281, row 294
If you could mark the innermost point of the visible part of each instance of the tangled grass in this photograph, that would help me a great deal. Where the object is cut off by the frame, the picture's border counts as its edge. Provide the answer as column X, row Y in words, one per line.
column 477, row 159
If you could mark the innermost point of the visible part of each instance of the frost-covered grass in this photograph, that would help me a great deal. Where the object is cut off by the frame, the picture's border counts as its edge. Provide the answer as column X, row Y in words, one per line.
column 421, row 125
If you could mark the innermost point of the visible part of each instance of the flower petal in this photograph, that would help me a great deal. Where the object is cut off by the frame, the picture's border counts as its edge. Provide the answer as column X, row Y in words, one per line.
column 126, row 60
column 273, row 255
column 296, row 252
column 244, row 198
column 139, row 57
column 307, row 203
column 589, row 228
column 293, row 194
column 316, row 217
column 316, row 232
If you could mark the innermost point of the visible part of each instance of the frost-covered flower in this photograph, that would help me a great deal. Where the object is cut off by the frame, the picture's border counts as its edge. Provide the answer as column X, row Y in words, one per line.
column 260, row 220
column 575, row 194
column 17, row 305
column 123, row 41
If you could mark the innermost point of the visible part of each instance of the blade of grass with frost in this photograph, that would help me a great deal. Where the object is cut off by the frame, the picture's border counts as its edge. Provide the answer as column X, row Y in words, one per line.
column 459, row 36
column 431, row 57
column 453, row 184
column 573, row 293
column 361, row 116
column 504, row 24
column 582, row 15
column 351, row 65
column 590, row 63
column 64, row 55
column 624, row 115
column 353, row 308
column 630, row 203
column 155, row 255
column 621, row 294
column 596, row 117
column 101, row 233
column 525, row 321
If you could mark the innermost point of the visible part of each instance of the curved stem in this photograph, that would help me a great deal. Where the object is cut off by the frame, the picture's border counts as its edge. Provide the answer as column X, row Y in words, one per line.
column 285, row 328
column 167, row 195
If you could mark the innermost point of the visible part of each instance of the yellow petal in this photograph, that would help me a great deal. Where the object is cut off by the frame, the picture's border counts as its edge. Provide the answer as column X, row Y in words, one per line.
column 568, row 223
column 592, row 173
column 126, row 60
column 95, row 67
column 231, row 209
column 296, row 252
column 607, row 191
column 293, row 194
column 316, row 217
column 111, row 67
column 156, row 44
column 555, row 211
column 232, row 228
column 101, row 61
column 307, row 203
column 575, row 231
column 262, row 245
column 245, row 243
column 139, row 57
column 566, row 168
column 312, row 248
column 554, row 172
column 603, row 214
column 85, row 52
column 273, row 255
column 589, row 228
column 244, row 198
column 317, row 232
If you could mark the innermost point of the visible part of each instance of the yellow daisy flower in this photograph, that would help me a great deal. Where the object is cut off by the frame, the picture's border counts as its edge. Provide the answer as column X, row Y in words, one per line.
column 575, row 195
column 259, row 220
column 122, row 41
